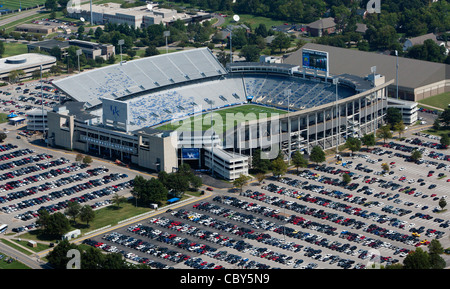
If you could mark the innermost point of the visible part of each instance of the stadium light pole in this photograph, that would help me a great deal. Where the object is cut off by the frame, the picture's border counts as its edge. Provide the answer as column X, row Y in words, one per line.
column 78, row 52
column 42, row 106
column 121, row 42
column 336, row 82
column 166, row 34
column 373, row 69
column 396, row 72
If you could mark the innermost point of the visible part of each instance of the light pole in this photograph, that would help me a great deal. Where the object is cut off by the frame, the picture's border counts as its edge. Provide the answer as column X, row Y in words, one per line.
column 236, row 19
column 121, row 42
column 78, row 52
column 336, row 82
column 166, row 34
column 42, row 105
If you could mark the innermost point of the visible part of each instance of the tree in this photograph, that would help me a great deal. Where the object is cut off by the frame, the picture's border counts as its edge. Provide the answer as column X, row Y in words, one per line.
column 2, row 49
column 87, row 214
column 393, row 115
column 279, row 167
column 445, row 116
column 317, row 155
column 346, row 178
column 416, row 155
column 384, row 132
column 155, row 192
column 260, row 177
column 385, row 167
column 445, row 140
column 353, row 144
column 3, row 136
column 281, row 41
column 442, row 203
column 241, row 181
column 87, row 160
column 251, row 53
column 51, row 5
column 399, row 127
column 437, row 124
column 58, row 256
column 368, row 140
column 43, row 219
column 57, row 224
column 417, row 259
column 299, row 160
column 79, row 157
column 73, row 210
column 151, row 50
column 117, row 200
column 259, row 164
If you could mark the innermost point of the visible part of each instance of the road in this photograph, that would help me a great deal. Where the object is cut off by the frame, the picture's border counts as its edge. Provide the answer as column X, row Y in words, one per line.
column 18, row 16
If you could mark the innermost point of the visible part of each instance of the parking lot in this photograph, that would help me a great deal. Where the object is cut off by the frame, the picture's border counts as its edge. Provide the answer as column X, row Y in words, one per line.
column 34, row 177
column 306, row 220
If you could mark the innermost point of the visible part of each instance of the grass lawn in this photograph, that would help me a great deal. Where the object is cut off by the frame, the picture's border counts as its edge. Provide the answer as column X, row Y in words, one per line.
column 15, row 4
column 441, row 100
column 12, row 49
column 3, row 117
column 254, row 21
column 223, row 119
column 13, row 265
column 440, row 132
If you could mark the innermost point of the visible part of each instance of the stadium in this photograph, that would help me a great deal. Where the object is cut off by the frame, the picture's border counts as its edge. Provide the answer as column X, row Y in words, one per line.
column 160, row 111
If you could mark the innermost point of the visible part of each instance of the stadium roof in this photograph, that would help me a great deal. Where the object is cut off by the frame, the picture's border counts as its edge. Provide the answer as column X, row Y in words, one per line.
column 412, row 73
column 141, row 75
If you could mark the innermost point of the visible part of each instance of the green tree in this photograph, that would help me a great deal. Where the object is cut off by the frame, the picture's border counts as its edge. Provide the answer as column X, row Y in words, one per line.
column 353, row 144
column 442, row 203
column 57, row 224
column 87, row 160
column 384, row 132
column 393, row 116
column 279, row 167
column 151, row 50
column 58, row 256
column 417, row 259
column 317, row 155
column 117, row 200
column 259, row 164
column 241, row 181
column 87, row 214
column 251, row 53
column 400, row 128
column 346, row 178
column 445, row 140
column 2, row 49
column 281, row 41
column 73, row 210
column 155, row 191
column 299, row 160
column 368, row 140
column 51, row 5
column 3, row 136
column 416, row 155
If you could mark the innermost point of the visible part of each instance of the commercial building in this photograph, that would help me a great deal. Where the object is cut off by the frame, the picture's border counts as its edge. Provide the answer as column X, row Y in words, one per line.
column 140, row 16
column 90, row 49
column 35, row 28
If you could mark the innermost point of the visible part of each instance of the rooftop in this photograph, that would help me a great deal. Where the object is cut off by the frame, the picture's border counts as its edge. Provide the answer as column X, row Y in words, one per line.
column 24, row 61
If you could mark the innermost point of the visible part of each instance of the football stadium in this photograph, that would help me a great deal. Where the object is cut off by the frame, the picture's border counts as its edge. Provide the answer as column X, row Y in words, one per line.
column 160, row 111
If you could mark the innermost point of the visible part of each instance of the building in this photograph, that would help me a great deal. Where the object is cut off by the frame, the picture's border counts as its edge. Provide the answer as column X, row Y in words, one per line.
column 417, row 79
column 140, row 16
column 37, row 119
column 90, row 49
column 408, row 109
column 419, row 40
column 35, row 28
column 28, row 63
column 116, row 112
column 321, row 27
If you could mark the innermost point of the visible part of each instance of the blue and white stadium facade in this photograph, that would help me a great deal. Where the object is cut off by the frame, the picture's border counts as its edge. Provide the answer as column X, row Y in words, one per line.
column 114, row 111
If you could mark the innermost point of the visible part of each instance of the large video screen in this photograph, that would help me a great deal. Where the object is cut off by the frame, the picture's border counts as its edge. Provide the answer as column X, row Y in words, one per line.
column 190, row 153
column 314, row 59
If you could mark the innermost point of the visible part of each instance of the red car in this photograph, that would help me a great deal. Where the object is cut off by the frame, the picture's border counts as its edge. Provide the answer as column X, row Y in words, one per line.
column 209, row 189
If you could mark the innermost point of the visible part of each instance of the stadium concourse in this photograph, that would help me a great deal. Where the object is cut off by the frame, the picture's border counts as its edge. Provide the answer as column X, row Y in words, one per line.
column 118, row 111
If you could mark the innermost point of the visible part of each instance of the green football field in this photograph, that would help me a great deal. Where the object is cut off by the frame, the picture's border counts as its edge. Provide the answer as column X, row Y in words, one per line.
column 223, row 119
column 16, row 4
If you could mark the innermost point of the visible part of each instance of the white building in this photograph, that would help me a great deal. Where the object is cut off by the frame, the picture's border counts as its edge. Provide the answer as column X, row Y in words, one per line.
column 408, row 109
